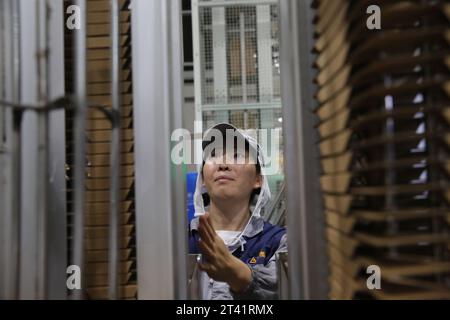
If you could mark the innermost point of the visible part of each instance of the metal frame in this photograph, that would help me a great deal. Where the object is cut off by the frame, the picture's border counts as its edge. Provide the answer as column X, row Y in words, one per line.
column 220, row 59
column 219, row 55
column 195, row 288
column 305, row 220
column 198, row 94
column 35, row 243
column 159, row 188
column 247, row 106
column 243, row 57
column 79, row 67
column 10, row 155
column 3, row 49
column 230, row 3
column 42, row 191
column 283, row 278
column 57, row 217
column 3, row 171
column 265, row 76
column 29, row 195
column 220, row 73
column 113, row 258
column 34, row 252
column 263, row 22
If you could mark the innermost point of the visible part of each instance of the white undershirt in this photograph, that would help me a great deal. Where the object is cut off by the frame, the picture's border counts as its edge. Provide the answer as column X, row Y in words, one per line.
column 229, row 237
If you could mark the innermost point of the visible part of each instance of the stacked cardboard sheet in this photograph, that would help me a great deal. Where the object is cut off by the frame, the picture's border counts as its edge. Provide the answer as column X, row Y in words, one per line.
column 384, row 116
column 98, row 137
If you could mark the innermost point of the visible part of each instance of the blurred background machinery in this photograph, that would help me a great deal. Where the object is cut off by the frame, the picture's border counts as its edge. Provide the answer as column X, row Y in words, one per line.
column 237, row 69
column 87, row 113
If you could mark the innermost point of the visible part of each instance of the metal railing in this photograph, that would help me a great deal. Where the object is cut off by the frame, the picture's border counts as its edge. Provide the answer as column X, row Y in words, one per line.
column 283, row 276
column 276, row 210
column 195, row 290
column 66, row 103
column 115, row 154
column 79, row 104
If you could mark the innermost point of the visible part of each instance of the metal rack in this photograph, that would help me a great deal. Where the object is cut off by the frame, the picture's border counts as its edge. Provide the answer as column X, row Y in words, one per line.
column 33, row 172
column 383, row 121
column 306, row 241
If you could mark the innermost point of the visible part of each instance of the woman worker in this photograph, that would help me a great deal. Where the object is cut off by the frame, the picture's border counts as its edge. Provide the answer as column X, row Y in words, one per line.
column 239, row 249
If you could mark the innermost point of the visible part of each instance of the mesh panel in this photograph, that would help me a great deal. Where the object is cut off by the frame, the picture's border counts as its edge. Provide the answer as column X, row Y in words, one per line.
column 232, row 40
column 239, row 68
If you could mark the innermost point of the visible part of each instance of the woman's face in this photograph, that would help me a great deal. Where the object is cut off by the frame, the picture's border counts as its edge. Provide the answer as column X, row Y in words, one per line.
column 226, row 179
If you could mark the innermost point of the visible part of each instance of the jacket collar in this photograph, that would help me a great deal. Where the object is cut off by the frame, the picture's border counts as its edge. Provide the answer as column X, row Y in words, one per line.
column 255, row 226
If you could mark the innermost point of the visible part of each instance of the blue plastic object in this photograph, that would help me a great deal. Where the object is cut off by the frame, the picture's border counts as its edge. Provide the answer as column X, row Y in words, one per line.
column 191, row 180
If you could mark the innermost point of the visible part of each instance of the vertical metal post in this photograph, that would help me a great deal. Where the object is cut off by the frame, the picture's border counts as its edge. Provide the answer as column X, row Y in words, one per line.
column 243, row 56
column 219, row 43
column 178, row 186
column 79, row 48
column 14, row 241
column 265, row 76
column 114, row 197
column 305, row 219
column 245, row 119
column 3, row 161
column 25, row 260
column 198, row 124
column 30, row 203
column 160, row 212
column 2, row 95
column 42, row 139
column 13, row 147
column 57, row 206
column 264, row 39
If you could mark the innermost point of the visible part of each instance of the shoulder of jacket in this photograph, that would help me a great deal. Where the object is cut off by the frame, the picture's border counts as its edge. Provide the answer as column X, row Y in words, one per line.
column 273, row 228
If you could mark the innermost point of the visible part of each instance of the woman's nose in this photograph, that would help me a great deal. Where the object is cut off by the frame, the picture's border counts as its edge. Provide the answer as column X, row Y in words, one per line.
column 224, row 166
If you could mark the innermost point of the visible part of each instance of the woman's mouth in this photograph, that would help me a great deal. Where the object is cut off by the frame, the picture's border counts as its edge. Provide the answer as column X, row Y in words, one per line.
column 223, row 179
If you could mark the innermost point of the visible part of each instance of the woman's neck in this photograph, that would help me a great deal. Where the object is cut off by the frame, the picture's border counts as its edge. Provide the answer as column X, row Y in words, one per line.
column 229, row 216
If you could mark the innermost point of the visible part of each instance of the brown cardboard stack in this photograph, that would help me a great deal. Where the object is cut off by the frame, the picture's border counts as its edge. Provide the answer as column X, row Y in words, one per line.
column 98, row 135
column 384, row 116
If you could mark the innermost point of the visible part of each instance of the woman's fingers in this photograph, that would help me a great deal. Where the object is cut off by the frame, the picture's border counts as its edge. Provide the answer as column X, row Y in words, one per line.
column 204, row 234
column 203, row 266
column 206, row 267
column 208, row 225
column 205, row 248
column 204, row 225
